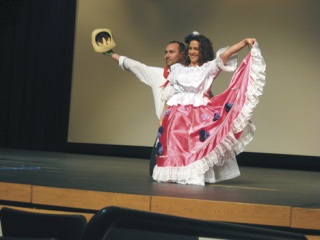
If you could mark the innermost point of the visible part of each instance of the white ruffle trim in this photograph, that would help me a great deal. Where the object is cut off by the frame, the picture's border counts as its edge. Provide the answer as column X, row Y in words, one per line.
column 202, row 171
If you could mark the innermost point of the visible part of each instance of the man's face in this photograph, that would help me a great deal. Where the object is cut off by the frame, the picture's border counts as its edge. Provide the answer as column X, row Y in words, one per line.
column 172, row 54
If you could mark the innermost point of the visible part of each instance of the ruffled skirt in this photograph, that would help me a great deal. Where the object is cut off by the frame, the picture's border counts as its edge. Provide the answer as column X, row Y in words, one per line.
column 199, row 144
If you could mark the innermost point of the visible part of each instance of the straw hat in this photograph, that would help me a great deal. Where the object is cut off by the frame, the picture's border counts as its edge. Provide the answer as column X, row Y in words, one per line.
column 102, row 40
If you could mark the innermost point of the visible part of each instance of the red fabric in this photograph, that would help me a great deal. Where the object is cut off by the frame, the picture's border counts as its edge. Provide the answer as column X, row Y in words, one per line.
column 166, row 72
column 180, row 138
column 165, row 84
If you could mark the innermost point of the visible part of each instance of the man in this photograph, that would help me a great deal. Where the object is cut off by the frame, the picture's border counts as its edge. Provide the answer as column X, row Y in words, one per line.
column 155, row 77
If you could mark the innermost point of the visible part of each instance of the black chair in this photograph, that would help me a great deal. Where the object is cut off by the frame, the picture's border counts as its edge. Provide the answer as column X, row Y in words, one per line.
column 18, row 238
column 25, row 225
column 110, row 218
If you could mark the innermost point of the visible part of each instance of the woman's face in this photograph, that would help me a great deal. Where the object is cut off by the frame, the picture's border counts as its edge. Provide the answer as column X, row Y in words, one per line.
column 193, row 53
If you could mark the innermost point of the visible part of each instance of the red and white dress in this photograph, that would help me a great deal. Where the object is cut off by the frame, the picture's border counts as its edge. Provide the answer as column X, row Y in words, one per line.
column 200, row 137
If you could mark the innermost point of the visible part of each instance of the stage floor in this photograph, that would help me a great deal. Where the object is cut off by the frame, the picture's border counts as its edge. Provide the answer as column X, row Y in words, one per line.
column 255, row 187
column 127, row 175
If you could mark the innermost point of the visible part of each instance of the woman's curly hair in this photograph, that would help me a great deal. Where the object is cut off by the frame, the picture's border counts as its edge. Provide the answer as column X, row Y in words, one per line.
column 206, row 52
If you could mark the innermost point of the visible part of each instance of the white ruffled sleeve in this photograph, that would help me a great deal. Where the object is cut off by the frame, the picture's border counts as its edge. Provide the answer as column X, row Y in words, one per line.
column 230, row 65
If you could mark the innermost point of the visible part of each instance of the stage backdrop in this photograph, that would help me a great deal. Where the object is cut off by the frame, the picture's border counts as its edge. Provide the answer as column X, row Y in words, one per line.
column 111, row 106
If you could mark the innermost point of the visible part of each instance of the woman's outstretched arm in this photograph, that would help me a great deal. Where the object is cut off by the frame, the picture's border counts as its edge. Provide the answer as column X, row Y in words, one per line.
column 236, row 48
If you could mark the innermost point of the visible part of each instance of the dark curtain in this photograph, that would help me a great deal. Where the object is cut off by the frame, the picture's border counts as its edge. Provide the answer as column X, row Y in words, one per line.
column 36, row 57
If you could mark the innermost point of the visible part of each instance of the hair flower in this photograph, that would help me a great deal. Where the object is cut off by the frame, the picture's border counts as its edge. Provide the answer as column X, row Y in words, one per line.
column 189, row 36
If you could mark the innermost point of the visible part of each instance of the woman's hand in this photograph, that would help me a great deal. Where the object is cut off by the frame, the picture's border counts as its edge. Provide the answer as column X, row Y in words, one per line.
column 250, row 41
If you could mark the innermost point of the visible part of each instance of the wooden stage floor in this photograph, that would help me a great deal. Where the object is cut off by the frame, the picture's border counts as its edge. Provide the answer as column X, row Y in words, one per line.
column 86, row 183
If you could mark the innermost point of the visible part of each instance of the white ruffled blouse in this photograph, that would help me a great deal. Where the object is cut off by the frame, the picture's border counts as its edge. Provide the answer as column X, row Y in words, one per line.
column 189, row 84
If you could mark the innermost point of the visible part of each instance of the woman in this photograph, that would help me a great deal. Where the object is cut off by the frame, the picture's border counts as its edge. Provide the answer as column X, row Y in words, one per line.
column 200, row 136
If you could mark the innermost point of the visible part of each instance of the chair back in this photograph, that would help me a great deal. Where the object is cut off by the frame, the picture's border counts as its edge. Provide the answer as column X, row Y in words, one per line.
column 110, row 218
column 25, row 224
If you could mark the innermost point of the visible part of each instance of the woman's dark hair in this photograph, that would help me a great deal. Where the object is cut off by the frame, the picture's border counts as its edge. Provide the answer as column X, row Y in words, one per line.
column 206, row 52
